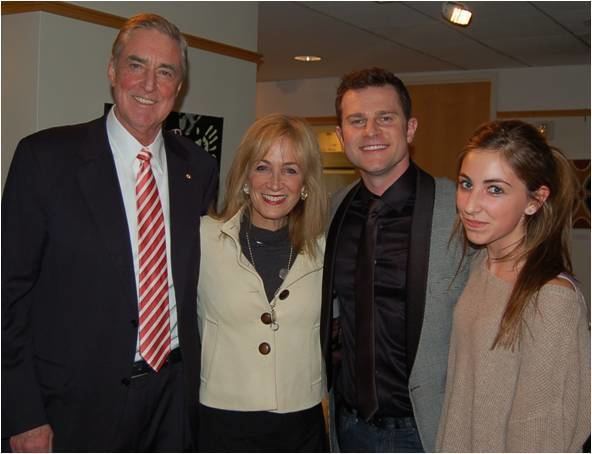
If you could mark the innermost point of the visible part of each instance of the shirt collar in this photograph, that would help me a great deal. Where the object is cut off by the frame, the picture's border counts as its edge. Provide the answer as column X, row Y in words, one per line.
column 398, row 193
column 128, row 147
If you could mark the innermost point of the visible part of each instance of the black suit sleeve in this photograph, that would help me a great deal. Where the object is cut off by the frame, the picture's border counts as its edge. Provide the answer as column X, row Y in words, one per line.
column 24, row 235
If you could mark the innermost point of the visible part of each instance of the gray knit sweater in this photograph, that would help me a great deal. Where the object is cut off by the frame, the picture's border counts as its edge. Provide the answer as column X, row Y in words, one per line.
column 536, row 398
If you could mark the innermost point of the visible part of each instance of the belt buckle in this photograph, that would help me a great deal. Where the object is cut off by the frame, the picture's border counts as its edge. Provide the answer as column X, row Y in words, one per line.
column 141, row 374
column 376, row 421
column 140, row 369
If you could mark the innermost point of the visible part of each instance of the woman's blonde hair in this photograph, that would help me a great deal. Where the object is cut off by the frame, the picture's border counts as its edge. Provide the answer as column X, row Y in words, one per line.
column 545, row 246
column 306, row 221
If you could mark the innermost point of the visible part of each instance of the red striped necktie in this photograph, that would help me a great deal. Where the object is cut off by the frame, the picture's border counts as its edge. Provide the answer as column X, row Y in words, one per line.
column 155, row 335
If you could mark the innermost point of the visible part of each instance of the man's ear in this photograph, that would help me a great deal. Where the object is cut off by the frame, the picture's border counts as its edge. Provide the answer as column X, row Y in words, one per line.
column 111, row 71
column 339, row 134
column 411, row 128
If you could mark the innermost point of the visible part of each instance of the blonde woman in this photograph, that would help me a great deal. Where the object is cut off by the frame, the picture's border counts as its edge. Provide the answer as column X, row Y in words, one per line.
column 260, row 297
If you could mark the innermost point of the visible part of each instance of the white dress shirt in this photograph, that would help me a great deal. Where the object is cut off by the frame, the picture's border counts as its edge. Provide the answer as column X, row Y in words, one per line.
column 125, row 150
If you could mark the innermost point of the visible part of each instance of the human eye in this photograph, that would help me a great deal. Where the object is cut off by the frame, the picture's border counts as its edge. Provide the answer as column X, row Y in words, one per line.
column 166, row 73
column 385, row 119
column 134, row 65
column 261, row 167
column 357, row 121
column 293, row 170
column 495, row 190
column 465, row 184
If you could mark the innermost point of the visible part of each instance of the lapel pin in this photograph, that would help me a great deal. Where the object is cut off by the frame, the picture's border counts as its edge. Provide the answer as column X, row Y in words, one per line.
column 188, row 176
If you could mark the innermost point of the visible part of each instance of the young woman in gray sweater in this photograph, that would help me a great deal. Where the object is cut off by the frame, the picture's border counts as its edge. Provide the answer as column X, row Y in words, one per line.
column 519, row 364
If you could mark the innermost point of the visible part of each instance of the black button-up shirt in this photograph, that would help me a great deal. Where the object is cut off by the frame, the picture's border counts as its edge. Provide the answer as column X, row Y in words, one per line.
column 390, row 292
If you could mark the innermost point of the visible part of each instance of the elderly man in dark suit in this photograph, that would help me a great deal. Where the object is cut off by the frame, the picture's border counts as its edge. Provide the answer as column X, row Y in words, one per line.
column 100, row 255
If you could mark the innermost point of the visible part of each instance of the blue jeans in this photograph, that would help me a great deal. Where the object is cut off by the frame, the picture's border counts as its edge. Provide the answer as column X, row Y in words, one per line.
column 385, row 435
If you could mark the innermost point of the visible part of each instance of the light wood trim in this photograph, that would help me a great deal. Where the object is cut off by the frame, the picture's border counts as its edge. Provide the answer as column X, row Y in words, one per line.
column 328, row 121
column 544, row 113
column 113, row 21
column 322, row 121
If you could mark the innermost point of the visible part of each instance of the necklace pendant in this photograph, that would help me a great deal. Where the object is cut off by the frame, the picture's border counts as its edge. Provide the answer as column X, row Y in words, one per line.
column 283, row 273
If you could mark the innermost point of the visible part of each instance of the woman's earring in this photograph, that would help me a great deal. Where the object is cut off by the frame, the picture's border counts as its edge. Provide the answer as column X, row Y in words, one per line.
column 530, row 211
column 303, row 194
column 246, row 189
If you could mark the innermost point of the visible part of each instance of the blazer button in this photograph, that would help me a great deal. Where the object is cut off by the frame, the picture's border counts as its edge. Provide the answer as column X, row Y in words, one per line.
column 266, row 318
column 264, row 348
column 134, row 323
column 284, row 294
column 125, row 381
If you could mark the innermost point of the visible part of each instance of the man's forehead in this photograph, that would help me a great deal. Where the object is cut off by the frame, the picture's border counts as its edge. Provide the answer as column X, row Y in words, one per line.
column 374, row 112
column 383, row 98
column 142, row 41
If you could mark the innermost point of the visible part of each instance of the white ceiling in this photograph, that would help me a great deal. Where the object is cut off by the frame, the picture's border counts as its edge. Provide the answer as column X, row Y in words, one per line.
column 414, row 37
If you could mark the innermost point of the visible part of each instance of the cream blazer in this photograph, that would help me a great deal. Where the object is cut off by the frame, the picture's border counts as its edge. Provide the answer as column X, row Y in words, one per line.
column 235, row 374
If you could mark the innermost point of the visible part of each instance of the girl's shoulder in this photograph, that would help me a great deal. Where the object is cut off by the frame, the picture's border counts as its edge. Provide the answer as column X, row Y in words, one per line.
column 562, row 282
column 561, row 296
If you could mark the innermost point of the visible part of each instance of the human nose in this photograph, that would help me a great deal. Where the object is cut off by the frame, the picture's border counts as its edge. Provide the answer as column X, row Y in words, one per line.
column 149, row 80
column 275, row 181
column 371, row 128
column 472, row 202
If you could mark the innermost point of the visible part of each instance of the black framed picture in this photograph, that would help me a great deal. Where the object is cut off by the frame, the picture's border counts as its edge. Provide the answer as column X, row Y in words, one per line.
column 204, row 130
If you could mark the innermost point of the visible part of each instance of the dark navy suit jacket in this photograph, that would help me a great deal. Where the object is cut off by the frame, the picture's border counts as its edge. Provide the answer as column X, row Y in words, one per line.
column 69, row 304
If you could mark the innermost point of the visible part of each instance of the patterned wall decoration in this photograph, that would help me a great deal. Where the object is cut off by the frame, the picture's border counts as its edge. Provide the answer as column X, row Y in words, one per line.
column 581, row 215
column 204, row 130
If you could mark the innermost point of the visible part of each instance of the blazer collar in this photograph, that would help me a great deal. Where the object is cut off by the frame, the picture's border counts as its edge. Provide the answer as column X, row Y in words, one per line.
column 100, row 186
column 303, row 264
column 418, row 261
column 184, row 217
column 97, row 178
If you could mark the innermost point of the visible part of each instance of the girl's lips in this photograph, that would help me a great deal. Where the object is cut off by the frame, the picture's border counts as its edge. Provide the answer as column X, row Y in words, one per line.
column 471, row 223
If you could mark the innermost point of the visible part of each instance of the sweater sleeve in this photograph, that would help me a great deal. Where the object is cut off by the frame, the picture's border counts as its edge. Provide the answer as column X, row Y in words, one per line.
column 551, row 407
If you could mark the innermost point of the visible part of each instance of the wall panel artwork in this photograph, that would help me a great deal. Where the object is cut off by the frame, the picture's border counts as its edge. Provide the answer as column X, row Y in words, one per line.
column 204, row 130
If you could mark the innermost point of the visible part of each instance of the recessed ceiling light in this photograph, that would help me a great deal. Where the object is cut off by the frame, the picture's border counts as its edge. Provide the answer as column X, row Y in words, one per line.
column 457, row 13
column 307, row 58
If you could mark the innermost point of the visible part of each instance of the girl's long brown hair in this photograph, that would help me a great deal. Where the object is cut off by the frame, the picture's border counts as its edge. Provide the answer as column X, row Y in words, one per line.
column 545, row 247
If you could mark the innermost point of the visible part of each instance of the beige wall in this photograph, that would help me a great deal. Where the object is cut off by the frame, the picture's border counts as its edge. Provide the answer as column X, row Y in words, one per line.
column 544, row 88
column 20, row 68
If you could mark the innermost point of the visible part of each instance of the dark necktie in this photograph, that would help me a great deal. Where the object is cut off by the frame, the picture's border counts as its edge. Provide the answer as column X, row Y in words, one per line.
column 367, row 403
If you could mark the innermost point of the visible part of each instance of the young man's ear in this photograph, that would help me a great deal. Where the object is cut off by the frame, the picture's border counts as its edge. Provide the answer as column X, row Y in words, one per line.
column 411, row 128
column 339, row 134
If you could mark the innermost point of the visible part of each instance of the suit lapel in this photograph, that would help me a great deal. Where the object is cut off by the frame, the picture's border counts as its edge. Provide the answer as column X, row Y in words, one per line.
column 182, row 204
column 328, row 275
column 100, row 187
column 418, row 261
